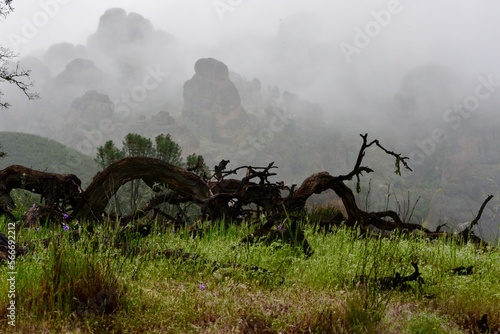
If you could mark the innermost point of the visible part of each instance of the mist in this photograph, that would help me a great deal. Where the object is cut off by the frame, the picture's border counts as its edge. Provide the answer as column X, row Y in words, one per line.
column 422, row 75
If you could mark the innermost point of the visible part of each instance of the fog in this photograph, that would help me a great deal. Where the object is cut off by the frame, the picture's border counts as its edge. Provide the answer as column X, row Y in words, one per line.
column 270, row 39
column 395, row 69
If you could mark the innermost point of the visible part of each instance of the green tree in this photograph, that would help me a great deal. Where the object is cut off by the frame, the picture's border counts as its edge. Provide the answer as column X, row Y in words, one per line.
column 135, row 145
column 196, row 164
column 108, row 154
column 168, row 150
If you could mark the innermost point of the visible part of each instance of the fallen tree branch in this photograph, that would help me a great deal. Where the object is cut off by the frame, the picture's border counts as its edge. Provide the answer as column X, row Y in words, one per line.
column 467, row 234
column 218, row 198
column 166, row 198
column 59, row 191
column 152, row 171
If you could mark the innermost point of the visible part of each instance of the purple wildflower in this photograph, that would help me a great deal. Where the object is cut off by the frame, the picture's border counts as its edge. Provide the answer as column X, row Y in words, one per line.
column 65, row 227
column 280, row 227
column 65, row 216
column 202, row 286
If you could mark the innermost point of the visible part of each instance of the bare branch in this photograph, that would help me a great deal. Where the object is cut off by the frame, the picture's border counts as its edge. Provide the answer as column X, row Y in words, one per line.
column 5, row 8
column 467, row 234
column 16, row 76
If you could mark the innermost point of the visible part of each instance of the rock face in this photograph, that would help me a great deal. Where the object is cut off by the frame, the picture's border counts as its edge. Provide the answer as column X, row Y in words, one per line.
column 88, row 123
column 306, row 111
column 81, row 71
column 126, row 43
column 212, row 103
column 117, row 30
column 425, row 93
column 91, row 108
column 38, row 71
column 59, row 55
column 250, row 92
column 79, row 76
column 470, row 172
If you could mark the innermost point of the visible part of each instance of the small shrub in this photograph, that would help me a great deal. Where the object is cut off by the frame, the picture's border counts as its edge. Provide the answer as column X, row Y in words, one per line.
column 74, row 282
column 364, row 310
column 427, row 324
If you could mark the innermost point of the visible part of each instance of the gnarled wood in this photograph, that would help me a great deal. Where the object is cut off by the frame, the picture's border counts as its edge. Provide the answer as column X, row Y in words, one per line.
column 217, row 198
column 152, row 171
column 58, row 191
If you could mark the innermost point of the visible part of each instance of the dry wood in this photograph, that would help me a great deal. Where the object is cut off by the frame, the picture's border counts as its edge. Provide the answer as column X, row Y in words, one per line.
column 218, row 197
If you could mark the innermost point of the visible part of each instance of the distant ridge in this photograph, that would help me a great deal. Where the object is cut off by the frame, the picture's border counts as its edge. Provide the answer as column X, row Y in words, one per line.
column 46, row 155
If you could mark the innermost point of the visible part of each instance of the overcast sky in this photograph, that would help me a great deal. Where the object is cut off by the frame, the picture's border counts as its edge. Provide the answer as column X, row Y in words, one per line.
column 463, row 29
column 463, row 34
column 193, row 20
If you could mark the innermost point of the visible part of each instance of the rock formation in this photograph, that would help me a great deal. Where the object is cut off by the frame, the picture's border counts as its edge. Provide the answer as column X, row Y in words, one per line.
column 91, row 108
column 470, row 172
column 212, row 104
column 126, row 43
column 79, row 76
column 59, row 55
column 89, row 122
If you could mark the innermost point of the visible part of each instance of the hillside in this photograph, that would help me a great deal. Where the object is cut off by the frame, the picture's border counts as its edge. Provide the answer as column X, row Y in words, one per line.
column 44, row 154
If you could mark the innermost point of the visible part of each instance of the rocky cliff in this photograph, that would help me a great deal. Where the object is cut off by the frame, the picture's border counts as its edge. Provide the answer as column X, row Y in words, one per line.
column 470, row 172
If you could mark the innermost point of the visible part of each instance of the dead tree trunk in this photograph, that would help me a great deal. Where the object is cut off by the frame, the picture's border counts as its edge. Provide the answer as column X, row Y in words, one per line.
column 152, row 171
column 58, row 191
column 218, row 198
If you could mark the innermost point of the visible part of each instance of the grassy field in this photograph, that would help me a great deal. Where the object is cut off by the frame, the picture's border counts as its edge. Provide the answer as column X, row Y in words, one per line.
column 45, row 155
column 112, row 280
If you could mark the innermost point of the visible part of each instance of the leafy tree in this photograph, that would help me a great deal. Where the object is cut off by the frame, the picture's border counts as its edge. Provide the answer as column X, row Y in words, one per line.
column 168, row 150
column 135, row 145
column 196, row 164
column 108, row 154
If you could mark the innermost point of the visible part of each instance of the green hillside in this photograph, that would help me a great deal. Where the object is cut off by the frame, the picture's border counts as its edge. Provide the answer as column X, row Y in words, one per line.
column 46, row 155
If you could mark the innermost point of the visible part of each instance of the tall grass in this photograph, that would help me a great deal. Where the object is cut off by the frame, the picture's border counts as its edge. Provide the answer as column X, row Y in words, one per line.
column 113, row 280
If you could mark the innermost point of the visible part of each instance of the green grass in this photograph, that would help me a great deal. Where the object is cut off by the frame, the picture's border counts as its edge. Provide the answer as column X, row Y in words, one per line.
column 170, row 282
column 45, row 155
